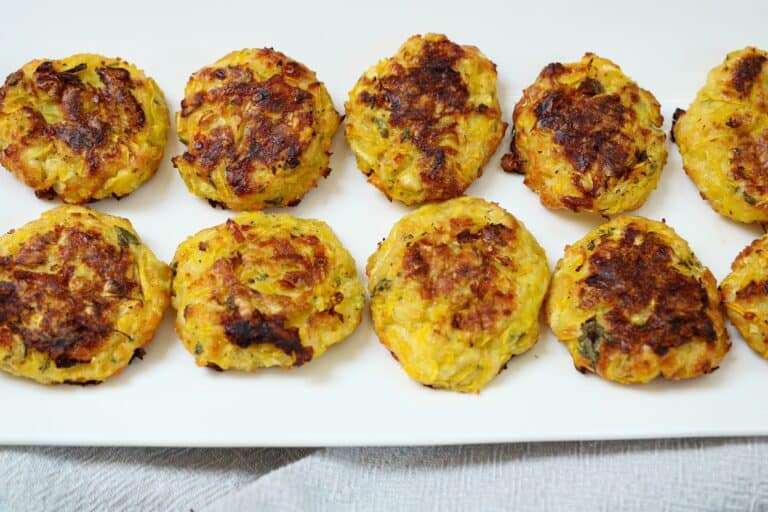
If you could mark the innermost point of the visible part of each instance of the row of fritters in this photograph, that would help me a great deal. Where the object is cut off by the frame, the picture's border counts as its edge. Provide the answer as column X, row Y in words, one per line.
column 456, row 290
column 258, row 127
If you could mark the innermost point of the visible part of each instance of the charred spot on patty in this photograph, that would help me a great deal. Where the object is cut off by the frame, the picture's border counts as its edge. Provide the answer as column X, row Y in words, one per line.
column 746, row 71
column 14, row 78
column 260, row 328
column 675, row 118
column 139, row 353
column 651, row 302
column 591, row 87
column 512, row 161
column 61, row 291
column 755, row 289
column 466, row 273
column 83, row 383
column 552, row 70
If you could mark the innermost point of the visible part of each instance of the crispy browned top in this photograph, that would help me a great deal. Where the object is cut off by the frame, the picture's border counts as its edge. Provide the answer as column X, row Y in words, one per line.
column 755, row 289
column 462, row 263
column 587, row 124
column 61, row 291
column 634, row 276
column 94, row 116
column 296, row 264
column 746, row 71
column 271, row 116
column 749, row 159
column 419, row 100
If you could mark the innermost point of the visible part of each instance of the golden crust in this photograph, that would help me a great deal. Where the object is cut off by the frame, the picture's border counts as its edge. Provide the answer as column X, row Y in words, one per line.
column 423, row 123
column 80, row 295
column 264, row 290
column 456, row 289
column 745, row 293
column 82, row 128
column 723, row 137
column 588, row 138
column 258, row 128
column 631, row 302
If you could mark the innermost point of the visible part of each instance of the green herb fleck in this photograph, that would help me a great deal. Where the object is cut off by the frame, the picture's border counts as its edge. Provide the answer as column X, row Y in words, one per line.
column 381, row 286
column 125, row 237
column 382, row 126
column 515, row 337
column 128, row 336
column 607, row 233
column 689, row 263
column 592, row 336
column 80, row 67
column 274, row 202
column 749, row 199
column 259, row 277
column 198, row 349
column 406, row 135
column 44, row 366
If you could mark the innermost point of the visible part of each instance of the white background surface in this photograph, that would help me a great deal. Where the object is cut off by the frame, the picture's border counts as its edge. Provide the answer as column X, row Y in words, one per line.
column 356, row 394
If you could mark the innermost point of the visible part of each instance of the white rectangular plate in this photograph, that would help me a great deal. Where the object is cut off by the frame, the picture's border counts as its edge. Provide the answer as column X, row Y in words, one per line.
column 356, row 394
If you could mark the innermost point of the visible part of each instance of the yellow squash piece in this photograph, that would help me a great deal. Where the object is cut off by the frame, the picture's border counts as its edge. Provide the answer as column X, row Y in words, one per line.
column 631, row 302
column 423, row 123
column 587, row 138
column 745, row 293
column 456, row 289
column 723, row 137
column 258, row 128
column 264, row 290
column 80, row 295
column 82, row 128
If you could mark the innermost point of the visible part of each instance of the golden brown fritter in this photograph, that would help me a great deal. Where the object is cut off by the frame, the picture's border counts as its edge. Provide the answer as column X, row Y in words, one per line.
column 423, row 123
column 264, row 290
column 258, row 128
column 82, row 128
column 587, row 138
column 80, row 295
column 745, row 293
column 456, row 290
column 631, row 302
column 723, row 137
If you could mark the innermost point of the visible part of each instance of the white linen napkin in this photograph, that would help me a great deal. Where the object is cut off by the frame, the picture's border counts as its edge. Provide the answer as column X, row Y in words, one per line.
column 660, row 475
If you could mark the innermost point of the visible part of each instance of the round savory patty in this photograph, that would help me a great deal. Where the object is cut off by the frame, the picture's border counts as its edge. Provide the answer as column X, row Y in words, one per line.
column 587, row 138
column 264, row 290
column 82, row 128
column 258, row 128
column 456, row 290
column 80, row 295
column 723, row 137
column 631, row 301
column 423, row 123
column 745, row 293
